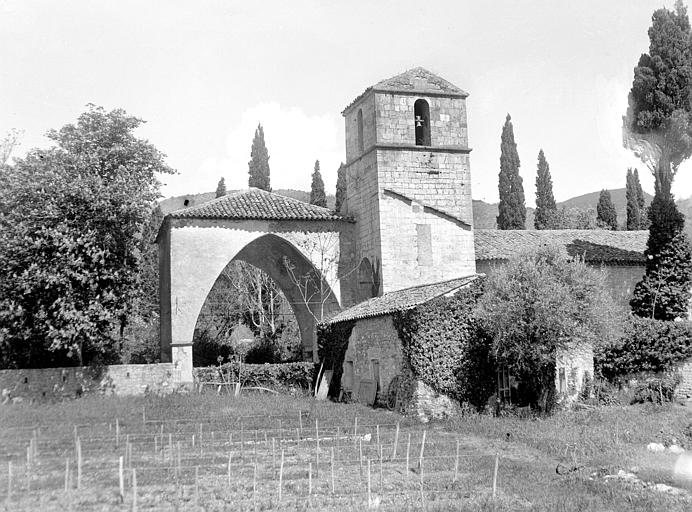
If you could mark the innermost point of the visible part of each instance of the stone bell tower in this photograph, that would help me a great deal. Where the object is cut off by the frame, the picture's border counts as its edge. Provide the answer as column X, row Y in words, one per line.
column 409, row 183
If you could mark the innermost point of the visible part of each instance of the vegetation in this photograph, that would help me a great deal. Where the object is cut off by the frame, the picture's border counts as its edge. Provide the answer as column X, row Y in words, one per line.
column 340, row 187
column 317, row 195
column 221, row 188
column 588, row 444
column 634, row 213
column 280, row 377
column 606, row 213
column 647, row 345
column 512, row 210
column 539, row 304
column 71, row 241
column 545, row 202
column 259, row 162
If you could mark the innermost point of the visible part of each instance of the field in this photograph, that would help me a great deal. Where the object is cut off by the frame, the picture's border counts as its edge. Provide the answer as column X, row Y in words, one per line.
column 257, row 452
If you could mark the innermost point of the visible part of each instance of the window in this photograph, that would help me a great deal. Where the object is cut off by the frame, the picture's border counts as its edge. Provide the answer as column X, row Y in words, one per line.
column 421, row 117
column 366, row 283
column 361, row 146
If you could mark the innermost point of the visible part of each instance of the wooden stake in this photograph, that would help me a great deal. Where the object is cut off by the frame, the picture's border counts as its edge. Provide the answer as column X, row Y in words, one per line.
column 300, row 421
column 281, row 473
column 408, row 451
column 79, row 464
column 196, row 484
column 228, row 476
column 134, row 490
column 273, row 456
column 117, row 433
column 355, row 428
column 309, row 478
column 378, row 439
column 144, row 416
column 381, row 473
column 497, row 463
column 360, row 459
column 67, row 474
column 369, row 488
column 193, row 440
column 121, row 477
column 422, row 449
column 456, row 464
column 333, row 488
column 396, row 441
column 178, row 445
column 156, row 445
column 170, row 446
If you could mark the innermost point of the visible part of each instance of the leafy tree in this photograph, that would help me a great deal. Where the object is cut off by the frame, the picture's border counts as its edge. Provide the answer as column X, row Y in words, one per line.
column 7, row 145
column 545, row 201
column 317, row 195
column 71, row 238
column 259, row 162
column 512, row 210
column 607, row 214
column 221, row 188
column 340, row 187
column 572, row 218
column 538, row 305
column 658, row 126
column 633, row 211
column 641, row 201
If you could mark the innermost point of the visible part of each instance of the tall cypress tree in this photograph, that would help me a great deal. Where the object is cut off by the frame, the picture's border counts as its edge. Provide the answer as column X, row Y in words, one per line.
column 607, row 214
column 545, row 201
column 633, row 211
column 340, row 187
column 221, row 188
column 258, row 167
column 643, row 217
column 512, row 208
column 317, row 195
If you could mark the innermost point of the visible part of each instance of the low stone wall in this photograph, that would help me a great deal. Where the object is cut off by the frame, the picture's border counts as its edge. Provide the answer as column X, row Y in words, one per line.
column 60, row 383
column 684, row 389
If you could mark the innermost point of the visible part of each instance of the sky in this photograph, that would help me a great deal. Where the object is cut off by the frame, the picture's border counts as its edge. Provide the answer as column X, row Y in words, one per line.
column 204, row 73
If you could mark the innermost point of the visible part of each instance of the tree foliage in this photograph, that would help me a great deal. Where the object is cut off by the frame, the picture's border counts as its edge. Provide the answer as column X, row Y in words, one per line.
column 340, row 187
column 545, row 201
column 606, row 212
column 512, row 209
column 658, row 122
column 317, row 195
column 259, row 162
column 634, row 220
column 641, row 201
column 539, row 304
column 572, row 218
column 221, row 188
column 72, row 219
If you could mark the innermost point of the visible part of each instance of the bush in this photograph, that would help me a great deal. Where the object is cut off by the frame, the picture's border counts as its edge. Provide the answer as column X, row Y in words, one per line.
column 652, row 346
column 656, row 389
column 282, row 376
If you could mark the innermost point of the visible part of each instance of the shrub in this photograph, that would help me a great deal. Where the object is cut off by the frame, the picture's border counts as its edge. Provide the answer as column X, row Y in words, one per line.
column 656, row 389
column 647, row 345
column 281, row 376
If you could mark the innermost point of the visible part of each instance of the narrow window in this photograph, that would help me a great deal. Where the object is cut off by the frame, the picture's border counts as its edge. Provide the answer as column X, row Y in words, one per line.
column 366, row 283
column 361, row 146
column 424, row 241
column 421, row 113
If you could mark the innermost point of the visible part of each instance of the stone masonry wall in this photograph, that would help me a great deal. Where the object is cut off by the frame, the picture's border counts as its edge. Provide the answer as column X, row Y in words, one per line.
column 684, row 389
column 574, row 363
column 58, row 383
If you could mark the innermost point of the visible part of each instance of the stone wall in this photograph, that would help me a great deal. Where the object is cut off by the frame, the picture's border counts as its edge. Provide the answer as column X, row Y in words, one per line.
column 59, row 383
column 573, row 367
column 684, row 389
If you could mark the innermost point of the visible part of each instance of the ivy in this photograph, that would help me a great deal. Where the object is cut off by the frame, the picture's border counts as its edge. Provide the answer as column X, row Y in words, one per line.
column 650, row 346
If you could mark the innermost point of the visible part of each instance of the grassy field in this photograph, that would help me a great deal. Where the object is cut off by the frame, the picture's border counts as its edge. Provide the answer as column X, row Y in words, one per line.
column 209, row 452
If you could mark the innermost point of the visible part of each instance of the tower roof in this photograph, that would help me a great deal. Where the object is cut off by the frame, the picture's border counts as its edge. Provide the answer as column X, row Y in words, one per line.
column 256, row 204
column 414, row 81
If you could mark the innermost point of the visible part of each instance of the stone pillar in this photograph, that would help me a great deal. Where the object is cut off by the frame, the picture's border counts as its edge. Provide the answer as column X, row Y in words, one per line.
column 182, row 359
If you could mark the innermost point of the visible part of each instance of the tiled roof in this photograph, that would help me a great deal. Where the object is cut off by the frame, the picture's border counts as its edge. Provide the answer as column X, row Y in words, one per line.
column 256, row 204
column 416, row 80
column 400, row 300
column 595, row 245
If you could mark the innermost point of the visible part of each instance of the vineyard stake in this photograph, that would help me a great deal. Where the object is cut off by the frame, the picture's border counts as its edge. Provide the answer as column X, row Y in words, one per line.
column 360, row 458
column 170, row 447
column 309, row 478
column 228, row 478
column 396, row 441
column 121, row 478
column 117, row 433
column 333, row 488
column 273, row 456
column 378, row 439
column 300, row 421
column 156, row 445
column 67, row 474
column 355, row 428
column 381, row 477
column 144, row 416
column 456, row 463
column 422, row 449
column 79, row 464
column 338, row 435
column 497, row 463
column 179, row 469
column 369, row 491
column 196, row 484
column 134, row 490
column 408, row 451
column 281, row 474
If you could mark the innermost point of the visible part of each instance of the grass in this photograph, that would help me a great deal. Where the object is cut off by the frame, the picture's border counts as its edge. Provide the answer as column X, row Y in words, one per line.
column 180, row 448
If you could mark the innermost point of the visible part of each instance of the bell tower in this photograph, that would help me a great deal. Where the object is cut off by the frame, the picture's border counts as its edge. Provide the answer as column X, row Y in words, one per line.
column 409, row 183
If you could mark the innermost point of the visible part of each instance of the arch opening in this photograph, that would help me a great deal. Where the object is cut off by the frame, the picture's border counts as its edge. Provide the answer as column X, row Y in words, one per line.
column 421, row 118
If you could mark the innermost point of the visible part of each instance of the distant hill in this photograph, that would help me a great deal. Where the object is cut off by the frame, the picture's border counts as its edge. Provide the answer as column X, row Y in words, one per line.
column 485, row 215
column 171, row 204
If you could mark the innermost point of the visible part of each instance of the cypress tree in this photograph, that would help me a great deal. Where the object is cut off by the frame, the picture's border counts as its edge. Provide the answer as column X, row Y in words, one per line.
column 606, row 212
column 545, row 201
column 340, row 187
column 259, row 162
column 643, row 217
column 512, row 209
column 317, row 195
column 633, row 211
column 221, row 188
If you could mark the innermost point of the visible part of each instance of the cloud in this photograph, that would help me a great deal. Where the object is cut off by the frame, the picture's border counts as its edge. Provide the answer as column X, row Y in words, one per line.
column 294, row 140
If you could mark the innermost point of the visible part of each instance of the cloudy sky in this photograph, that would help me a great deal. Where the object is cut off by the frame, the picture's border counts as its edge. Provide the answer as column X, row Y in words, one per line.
column 204, row 73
